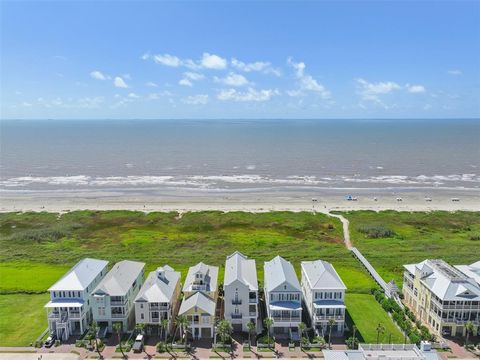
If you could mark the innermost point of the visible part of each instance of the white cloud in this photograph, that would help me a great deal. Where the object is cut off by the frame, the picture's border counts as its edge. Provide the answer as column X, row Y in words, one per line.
column 145, row 56
column 377, row 88
column 260, row 66
column 26, row 104
column 193, row 76
column 200, row 99
column 185, row 82
column 249, row 95
column 233, row 79
column 455, row 72
column 119, row 82
column 416, row 89
column 98, row 75
column 91, row 102
column 307, row 82
column 167, row 60
column 212, row 61
column 133, row 96
column 156, row 96
column 295, row 93
column 151, row 84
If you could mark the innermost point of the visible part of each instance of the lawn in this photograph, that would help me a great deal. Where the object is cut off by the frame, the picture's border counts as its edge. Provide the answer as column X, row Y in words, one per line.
column 417, row 236
column 366, row 313
column 22, row 318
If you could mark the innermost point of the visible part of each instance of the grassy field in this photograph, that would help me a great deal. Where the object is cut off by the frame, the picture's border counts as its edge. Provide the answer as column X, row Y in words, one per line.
column 367, row 313
column 454, row 237
column 22, row 318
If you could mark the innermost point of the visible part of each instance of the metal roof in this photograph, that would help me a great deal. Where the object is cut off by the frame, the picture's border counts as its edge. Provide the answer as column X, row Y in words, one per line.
column 159, row 286
column 239, row 267
column 209, row 272
column 200, row 301
column 64, row 303
column 80, row 276
column 278, row 271
column 322, row 275
column 120, row 278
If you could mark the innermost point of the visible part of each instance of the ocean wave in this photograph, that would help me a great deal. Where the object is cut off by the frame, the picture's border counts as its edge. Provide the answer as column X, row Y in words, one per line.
column 212, row 181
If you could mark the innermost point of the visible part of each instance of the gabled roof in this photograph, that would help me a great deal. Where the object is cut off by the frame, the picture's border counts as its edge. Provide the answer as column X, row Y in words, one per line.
column 120, row 278
column 80, row 276
column 322, row 275
column 239, row 267
column 472, row 271
column 159, row 286
column 447, row 282
column 278, row 271
column 209, row 272
column 200, row 301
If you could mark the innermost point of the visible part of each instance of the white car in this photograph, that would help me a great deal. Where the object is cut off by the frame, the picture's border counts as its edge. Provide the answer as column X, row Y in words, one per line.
column 138, row 344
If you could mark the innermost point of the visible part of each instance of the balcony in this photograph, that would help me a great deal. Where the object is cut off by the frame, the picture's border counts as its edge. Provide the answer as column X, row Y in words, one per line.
column 117, row 302
column 236, row 301
column 252, row 314
column 286, row 319
column 329, row 317
column 236, row 316
column 118, row 316
column 158, row 307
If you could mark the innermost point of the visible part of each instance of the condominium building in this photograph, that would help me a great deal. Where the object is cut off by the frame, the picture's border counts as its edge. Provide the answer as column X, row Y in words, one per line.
column 283, row 297
column 444, row 298
column 240, row 292
column 324, row 296
column 114, row 295
column 69, row 309
column 200, row 300
column 158, row 299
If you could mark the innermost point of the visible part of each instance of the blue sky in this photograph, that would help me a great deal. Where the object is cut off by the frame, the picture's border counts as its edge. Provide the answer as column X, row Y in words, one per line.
column 240, row 60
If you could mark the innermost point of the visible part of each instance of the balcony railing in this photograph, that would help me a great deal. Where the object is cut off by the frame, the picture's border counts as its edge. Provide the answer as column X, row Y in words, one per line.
column 252, row 300
column 330, row 317
column 159, row 307
column 118, row 316
column 286, row 319
column 117, row 302
column 236, row 316
column 237, row 301
column 252, row 313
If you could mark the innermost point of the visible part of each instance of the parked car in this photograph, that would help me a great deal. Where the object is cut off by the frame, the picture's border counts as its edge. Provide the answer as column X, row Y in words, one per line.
column 138, row 344
column 50, row 341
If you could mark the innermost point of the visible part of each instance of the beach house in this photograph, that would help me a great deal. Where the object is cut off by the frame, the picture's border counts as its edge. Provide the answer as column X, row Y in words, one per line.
column 442, row 297
column 200, row 300
column 283, row 297
column 69, row 309
column 240, row 292
column 114, row 295
column 158, row 299
column 324, row 296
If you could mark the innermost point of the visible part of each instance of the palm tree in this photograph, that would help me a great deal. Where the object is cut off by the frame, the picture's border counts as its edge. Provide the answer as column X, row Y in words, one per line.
column 140, row 328
column 331, row 322
column 117, row 327
column 182, row 323
column 224, row 329
column 268, row 322
column 352, row 341
column 301, row 328
column 468, row 329
column 251, row 328
column 94, row 330
column 164, row 325
column 380, row 330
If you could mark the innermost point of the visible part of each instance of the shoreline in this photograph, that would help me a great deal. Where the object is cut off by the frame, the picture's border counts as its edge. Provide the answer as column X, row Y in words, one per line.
column 178, row 200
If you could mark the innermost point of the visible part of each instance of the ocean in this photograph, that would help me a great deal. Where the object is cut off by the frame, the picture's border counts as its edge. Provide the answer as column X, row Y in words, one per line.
column 237, row 155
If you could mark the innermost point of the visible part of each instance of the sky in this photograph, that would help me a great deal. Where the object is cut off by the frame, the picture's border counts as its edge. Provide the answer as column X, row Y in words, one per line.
column 194, row 59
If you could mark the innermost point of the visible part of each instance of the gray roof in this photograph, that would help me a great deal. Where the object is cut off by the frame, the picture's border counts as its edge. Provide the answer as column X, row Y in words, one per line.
column 239, row 267
column 80, row 276
column 322, row 275
column 120, row 278
column 159, row 286
column 200, row 301
column 277, row 271
column 209, row 272
column 382, row 351
column 343, row 355
column 472, row 270
column 446, row 281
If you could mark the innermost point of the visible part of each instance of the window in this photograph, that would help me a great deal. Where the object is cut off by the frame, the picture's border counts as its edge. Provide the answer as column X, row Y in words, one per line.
column 141, row 306
column 142, row 316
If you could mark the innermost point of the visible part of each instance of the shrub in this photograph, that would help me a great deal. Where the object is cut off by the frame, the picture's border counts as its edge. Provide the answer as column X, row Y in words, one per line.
column 376, row 232
column 57, row 343
column 475, row 237
column 161, row 347
column 38, row 343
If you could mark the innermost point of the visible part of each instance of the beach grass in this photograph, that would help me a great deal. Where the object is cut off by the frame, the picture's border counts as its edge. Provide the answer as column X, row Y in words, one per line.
column 452, row 236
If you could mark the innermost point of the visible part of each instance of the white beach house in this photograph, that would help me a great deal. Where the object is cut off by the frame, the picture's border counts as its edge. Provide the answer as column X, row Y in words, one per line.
column 324, row 296
column 159, row 298
column 444, row 298
column 114, row 295
column 200, row 300
column 69, row 309
column 283, row 297
column 240, row 292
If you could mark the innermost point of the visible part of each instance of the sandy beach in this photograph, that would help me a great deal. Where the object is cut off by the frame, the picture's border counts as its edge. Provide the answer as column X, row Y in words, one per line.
column 183, row 201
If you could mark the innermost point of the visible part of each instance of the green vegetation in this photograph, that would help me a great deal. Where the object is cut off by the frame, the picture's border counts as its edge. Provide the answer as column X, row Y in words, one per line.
column 22, row 318
column 367, row 313
column 416, row 236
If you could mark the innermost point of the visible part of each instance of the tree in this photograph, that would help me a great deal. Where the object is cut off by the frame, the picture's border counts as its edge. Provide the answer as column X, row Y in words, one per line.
column 140, row 328
column 380, row 330
column 468, row 329
column 301, row 328
column 268, row 322
column 182, row 323
column 251, row 328
column 331, row 323
column 352, row 341
column 117, row 327
column 94, row 330
column 224, row 330
column 164, row 325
